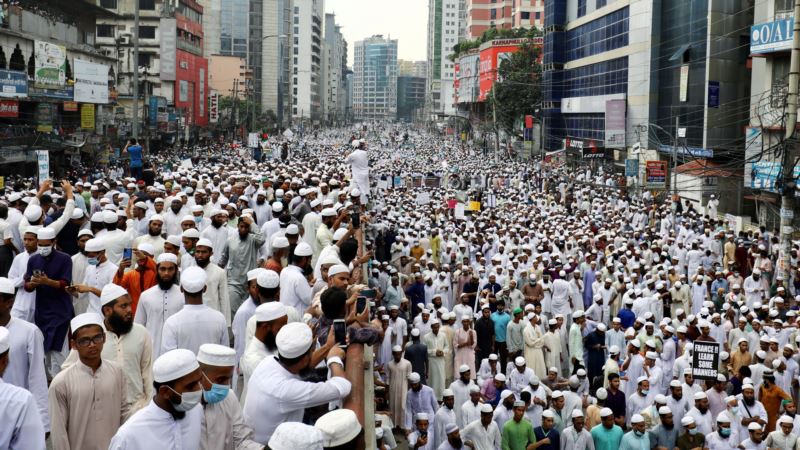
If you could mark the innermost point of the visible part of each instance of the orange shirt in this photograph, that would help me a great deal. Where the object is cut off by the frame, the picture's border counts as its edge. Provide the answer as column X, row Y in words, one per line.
column 137, row 281
column 771, row 399
column 272, row 265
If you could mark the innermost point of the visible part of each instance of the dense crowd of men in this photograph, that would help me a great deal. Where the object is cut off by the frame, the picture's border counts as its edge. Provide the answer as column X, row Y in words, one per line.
column 208, row 305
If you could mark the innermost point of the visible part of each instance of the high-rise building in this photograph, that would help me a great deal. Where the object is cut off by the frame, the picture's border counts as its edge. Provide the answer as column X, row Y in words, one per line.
column 276, row 59
column 375, row 79
column 503, row 14
column 333, row 69
column 212, row 21
column 234, row 26
column 445, row 30
column 307, row 49
column 407, row 68
column 410, row 98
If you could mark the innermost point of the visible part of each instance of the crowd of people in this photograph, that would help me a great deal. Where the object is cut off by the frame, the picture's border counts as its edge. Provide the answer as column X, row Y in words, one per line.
column 209, row 306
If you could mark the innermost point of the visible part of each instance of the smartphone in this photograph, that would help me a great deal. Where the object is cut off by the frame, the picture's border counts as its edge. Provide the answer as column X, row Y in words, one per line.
column 37, row 273
column 361, row 303
column 356, row 219
column 340, row 331
column 127, row 253
column 369, row 293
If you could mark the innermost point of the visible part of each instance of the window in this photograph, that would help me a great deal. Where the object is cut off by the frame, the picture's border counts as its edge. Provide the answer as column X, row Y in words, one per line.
column 525, row 15
column 144, row 59
column 149, row 5
column 601, row 3
column 538, row 15
column 147, row 32
column 110, row 4
column 581, row 8
column 493, row 14
column 105, row 31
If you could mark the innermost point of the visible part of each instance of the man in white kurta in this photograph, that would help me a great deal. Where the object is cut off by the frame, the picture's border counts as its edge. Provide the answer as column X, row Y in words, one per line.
column 161, row 301
column 295, row 289
column 483, row 433
column 359, row 167
column 445, row 416
column 398, row 371
column 25, row 302
column 216, row 295
column 439, row 351
column 18, row 410
column 269, row 317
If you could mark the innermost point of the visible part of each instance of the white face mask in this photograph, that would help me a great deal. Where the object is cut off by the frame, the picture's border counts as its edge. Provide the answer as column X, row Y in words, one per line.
column 188, row 400
column 45, row 250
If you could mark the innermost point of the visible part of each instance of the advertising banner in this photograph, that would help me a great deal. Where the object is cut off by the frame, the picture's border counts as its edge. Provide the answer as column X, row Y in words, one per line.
column 9, row 108
column 656, row 174
column 87, row 116
column 44, row 117
column 91, row 82
column 213, row 107
column 615, row 124
column 772, row 36
column 71, row 106
column 43, row 164
column 631, row 167
column 51, row 65
column 13, row 83
column 168, row 31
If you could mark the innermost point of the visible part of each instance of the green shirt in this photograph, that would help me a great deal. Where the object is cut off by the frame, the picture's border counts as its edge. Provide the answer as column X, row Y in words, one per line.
column 517, row 435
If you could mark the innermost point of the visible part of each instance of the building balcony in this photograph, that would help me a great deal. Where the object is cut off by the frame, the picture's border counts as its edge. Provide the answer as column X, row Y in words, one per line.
column 190, row 47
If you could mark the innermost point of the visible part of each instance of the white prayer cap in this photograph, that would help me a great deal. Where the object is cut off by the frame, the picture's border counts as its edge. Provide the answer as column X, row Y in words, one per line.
column 614, row 349
column 474, row 388
column 193, row 279
column 492, row 357
column 109, row 216
column 450, row 428
column 505, row 394
column 548, row 414
column 95, row 245
column 292, row 229
column 553, row 369
column 85, row 232
column 111, row 292
column 86, row 319
column 339, row 234
column 45, row 233
column 447, row 393
column 664, row 410
column 577, row 413
column 156, row 218
column 487, row 409
column 33, row 213
column 338, row 427
column 723, row 417
column 601, row 327
column 556, row 394
column 192, row 233
column 414, row 377
column 641, row 379
column 205, row 242
column 652, row 355
column 303, row 249
column 687, row 420
column 294, row 339
column 463, row 368
column 500, row 377
column 269, row 311
column 700, row 395
column 6, row 286
column 77, row 213
column 145, row 247
column 519, row 361
column 747, row 386
column 268, row 279
column 277, row 206
column 601, row 394
column 337, row 269
column 5, row 342
column 174, row 239
column 415, row 332
column 167, row 257
column 280, row 242
column 785, row 419
column 637, row 418
column 173, row 365
column 216, row 355
column 605, row 412
column 754, row 426
column 397, row 348
column 253, row 274
column 328, row 212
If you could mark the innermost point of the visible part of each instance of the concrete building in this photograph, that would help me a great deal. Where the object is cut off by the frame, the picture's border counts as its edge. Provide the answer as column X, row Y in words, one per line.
column 333, row 69
column 212, row 22
column 228, row 75
column 276, row 59
column 410, row 98
column 375, row 79
column 307, row 49
column 502, row 14
column 412, row 68
column 446, row 27
column 618, row 73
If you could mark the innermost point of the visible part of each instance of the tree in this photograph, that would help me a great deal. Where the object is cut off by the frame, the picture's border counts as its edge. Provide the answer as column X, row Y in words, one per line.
column 518, row 89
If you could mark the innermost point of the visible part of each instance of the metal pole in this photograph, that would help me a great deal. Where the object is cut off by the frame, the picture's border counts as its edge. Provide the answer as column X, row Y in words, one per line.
column 790, row 152
column 135, row 127
column 675, row 198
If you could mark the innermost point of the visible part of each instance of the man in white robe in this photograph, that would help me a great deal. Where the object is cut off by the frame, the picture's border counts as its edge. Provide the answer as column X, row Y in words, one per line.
column 439, row 351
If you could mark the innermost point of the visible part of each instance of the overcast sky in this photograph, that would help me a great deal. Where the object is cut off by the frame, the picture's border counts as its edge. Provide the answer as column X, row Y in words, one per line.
column 404, row 20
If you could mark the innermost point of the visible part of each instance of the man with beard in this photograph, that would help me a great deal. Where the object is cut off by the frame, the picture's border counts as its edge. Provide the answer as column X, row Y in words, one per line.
column 218, row 233
column 324, row 232
column 483, row 433
column 161, row 301
column 241, row 253
column 216, row 295
column 420, row 399
column 444, row 416
column 153, row 235
column 25, row 302
column 140, row 279
column 79, row 264
column 701, row 415
column 454, row 441
column 99, row 273
column 295, row 288
column 243, row 315
column 270, row 318
column 172, row 414
column 196, row 323
column 280, row 254
column 173, row 217
column 266, row 407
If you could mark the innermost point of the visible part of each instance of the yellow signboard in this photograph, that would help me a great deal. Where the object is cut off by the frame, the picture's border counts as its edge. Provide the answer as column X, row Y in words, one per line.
column 87, row 116
column 474, row 206
column 2, row 182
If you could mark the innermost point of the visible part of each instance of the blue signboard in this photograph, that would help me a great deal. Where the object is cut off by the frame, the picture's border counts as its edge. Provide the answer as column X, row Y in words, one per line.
column 58, row 94
column 764, row 174
column 713, row 94
column 697, row 152
column 772, row 36
column 631, row 167
column 13, row 84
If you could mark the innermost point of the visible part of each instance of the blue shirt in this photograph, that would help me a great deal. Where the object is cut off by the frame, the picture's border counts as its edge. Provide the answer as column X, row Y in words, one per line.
column 500, row 321
column 135, row 152
column 626, row 317
column 605, row 439
column 633, row 442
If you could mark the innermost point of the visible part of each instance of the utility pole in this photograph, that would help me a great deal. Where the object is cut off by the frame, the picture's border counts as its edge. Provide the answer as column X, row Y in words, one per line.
column 235, row 100
column 675, row 198
column 790, row 151
column 135, row 127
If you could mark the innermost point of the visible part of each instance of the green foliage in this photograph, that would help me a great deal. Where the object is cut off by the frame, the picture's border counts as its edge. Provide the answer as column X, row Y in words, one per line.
column 519, row 91
column 493, row 33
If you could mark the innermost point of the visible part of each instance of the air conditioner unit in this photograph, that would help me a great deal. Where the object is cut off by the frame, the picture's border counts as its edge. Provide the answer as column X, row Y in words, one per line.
column 125, row 40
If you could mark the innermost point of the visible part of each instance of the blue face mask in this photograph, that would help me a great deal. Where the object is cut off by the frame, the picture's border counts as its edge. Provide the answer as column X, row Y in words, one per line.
column 94, row 261
column 693, row 431
column 217, row 393
column 725, row 432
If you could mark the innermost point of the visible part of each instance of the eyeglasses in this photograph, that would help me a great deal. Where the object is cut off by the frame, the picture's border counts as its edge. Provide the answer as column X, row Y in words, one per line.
column 85, row 342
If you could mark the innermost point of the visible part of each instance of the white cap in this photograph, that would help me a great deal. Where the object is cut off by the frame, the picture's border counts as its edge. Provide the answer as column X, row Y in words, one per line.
column 253, row 274
column 193, row 279
column 145, row 247
column 519, row 361
column 269, row 311
column 328, row 212
column 173, row 365
column 33, row 213
column 605, row 412
column 500, row 377
column 95, row 245
column 216, row 355
column 687, row 420
column 700, row 395
column 86, row 319
column 109, row 217
column 447, row 393
column 601, row 394
column 414, row 377
column 45, row 233
column 167, row 257
column 338, row 427
column 7, row 286
column 577, row 413
column 303, row 249
column 754, row 426
column 463, row 368
column 192, row 233
column 295, row 435
column 111, row 292
column 294, row 340
column 268, row 279
column 339, row 234
column 548, row 414
column 5, row 342
column 637, row 418
column 85, row 232
column 337, row 269
column 280, row 242
column 204, row 242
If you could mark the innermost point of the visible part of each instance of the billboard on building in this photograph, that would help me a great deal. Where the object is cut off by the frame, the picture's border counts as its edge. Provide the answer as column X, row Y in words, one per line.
column 467, row 76
column 167, row 52
column 91, row 82
column 656, row 174
column 493, row 53
column 13, row 84
column 9, row 108
column 772, row 36
column 615, row 123
column 213, row 107
column 51, row 65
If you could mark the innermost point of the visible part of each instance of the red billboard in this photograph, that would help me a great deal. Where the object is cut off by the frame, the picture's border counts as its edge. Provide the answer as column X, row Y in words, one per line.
column 493, row 53
column 9, row 108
